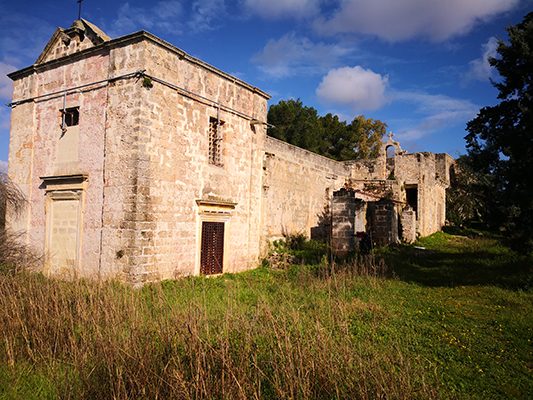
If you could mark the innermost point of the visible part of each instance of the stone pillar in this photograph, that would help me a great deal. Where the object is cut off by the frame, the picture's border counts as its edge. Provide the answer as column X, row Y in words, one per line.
column 343, row 219
column 408, row 224
column 383, row 221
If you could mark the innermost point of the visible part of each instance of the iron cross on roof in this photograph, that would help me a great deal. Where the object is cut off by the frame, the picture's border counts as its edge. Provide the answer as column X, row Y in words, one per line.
column 79, row 12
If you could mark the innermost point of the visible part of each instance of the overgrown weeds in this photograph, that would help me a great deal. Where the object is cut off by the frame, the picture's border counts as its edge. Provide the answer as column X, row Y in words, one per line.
column 262, row 334
column 297, row 249
column 282, row 331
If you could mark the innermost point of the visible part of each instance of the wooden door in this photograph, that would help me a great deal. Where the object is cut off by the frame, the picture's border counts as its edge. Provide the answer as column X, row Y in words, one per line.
column 212, row 256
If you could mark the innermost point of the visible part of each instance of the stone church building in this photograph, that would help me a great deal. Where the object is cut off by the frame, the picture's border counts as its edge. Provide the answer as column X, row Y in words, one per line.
column 141, row 162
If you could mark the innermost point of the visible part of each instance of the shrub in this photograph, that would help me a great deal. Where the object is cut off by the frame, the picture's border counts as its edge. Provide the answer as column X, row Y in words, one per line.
column 14, row 254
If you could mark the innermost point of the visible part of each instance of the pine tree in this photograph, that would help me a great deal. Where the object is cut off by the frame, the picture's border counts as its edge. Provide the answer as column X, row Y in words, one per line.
column 500, row 138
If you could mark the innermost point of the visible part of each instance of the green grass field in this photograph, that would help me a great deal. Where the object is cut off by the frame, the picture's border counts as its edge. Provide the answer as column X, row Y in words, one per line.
column 450, row 320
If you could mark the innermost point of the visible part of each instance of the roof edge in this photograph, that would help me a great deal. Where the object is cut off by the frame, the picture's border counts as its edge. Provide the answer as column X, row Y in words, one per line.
column 123, row 41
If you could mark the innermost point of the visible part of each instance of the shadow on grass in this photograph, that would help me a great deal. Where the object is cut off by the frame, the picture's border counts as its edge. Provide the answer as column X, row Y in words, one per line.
column 465, row 262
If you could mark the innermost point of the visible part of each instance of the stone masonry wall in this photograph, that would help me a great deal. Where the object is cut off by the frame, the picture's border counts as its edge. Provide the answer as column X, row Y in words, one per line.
column 344, row 209
column 408, row 225
column 444, row 163
column 158, row 229
column 420, row 169
column 36, row 138
column 297, row 190
column 383, row 221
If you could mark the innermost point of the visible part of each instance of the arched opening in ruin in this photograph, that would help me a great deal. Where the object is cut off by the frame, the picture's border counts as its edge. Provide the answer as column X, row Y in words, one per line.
column 391, row 152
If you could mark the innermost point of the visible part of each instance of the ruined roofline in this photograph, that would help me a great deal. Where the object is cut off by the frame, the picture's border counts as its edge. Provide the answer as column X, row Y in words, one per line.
column 425, row 153
column 124, row 41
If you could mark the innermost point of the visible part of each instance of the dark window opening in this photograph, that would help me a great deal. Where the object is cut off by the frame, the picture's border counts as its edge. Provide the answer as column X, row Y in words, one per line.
column 212, row 250
column 215, row 141
column 391, row 152
column 72, row 116
column 412, row 198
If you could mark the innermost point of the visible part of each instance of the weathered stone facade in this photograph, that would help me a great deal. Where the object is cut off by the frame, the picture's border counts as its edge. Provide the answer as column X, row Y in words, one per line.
column 141, row 162
column 134, row 175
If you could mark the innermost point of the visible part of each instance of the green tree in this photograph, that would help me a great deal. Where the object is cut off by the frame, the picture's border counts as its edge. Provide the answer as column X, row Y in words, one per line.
column 370, row 132
column 500, row 138
column 296, row 124
column 466, row 198
column 328, row 136
column 338, row 140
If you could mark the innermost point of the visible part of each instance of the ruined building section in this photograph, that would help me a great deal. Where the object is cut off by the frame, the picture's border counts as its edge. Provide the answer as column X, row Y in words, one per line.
column 139, row 161
column 398, row 196
column 349, row 218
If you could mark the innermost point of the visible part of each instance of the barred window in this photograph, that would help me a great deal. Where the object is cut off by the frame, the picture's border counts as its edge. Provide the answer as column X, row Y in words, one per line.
column 215, row 141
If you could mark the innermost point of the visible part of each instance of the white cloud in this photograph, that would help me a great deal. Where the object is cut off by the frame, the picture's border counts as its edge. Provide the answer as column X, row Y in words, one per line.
column 480, row 69
column 293, row 55
column 168, row 9
column 163, row 15
column 6, row 84
column 438, row 111
column 168, row 16
column 3, row 166
column 283, row 8
column 395, row 20
column 130, row 18
column 362, row 89
column 204, row 13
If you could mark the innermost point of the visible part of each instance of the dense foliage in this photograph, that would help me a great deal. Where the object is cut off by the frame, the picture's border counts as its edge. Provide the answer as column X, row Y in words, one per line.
column 466, row 198
column 500, row 138
column 328, row 136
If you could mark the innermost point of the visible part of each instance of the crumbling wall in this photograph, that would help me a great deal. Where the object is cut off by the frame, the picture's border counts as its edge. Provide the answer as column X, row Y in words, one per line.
column 444, row 164
column 344, row 206
column 421, row 171
column 382, row 221
column 365, row 169
column 349, row 220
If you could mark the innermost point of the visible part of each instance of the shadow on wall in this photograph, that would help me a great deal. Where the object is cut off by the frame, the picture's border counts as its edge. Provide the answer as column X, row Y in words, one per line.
column 323, row 230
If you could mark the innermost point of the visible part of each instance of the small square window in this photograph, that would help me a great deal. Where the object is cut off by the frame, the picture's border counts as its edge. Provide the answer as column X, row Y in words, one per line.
column 72, row 116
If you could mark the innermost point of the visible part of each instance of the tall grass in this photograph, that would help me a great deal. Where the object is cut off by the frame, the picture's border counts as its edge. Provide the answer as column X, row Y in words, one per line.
column 285, row 330
column 262, row 334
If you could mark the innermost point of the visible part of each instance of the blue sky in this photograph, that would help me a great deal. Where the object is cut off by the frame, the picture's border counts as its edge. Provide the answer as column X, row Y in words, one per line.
column 417, row 65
